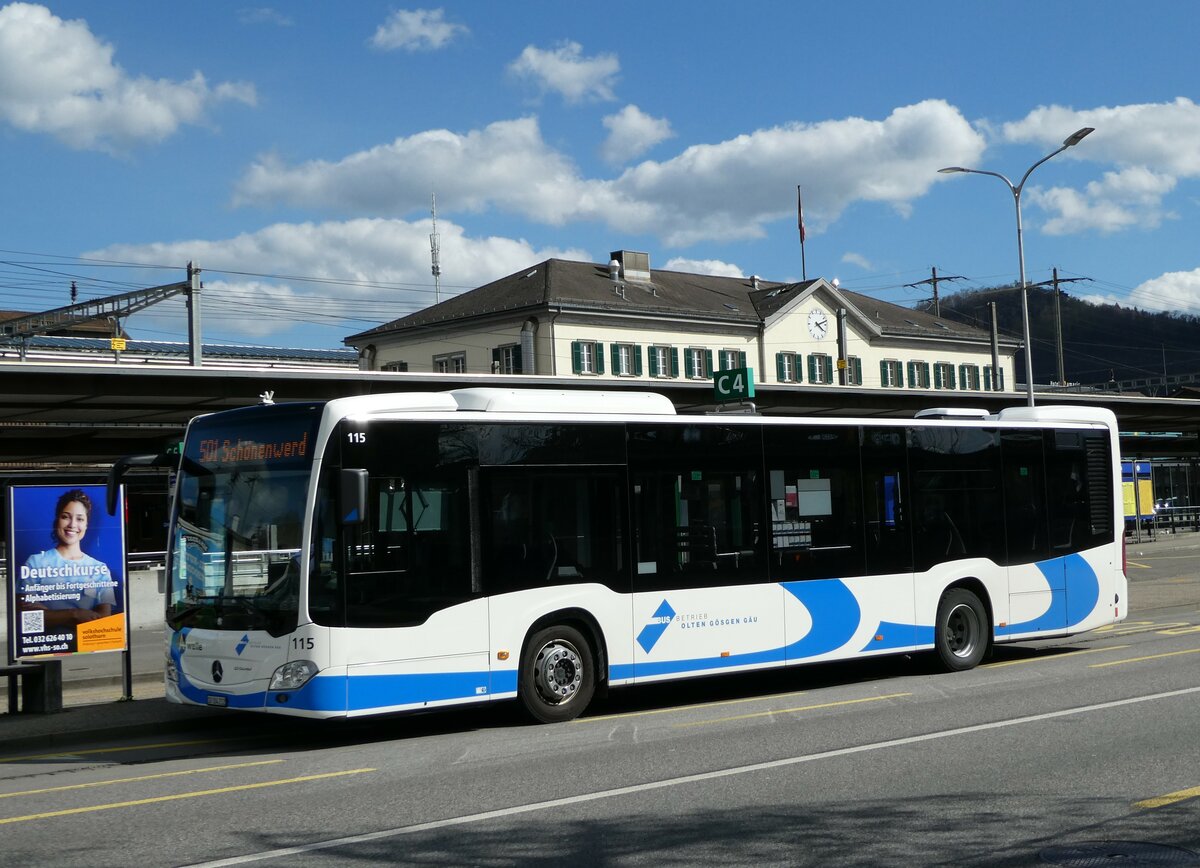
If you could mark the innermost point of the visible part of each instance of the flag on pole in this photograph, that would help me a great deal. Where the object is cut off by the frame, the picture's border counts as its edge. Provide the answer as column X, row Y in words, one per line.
column 800, row 213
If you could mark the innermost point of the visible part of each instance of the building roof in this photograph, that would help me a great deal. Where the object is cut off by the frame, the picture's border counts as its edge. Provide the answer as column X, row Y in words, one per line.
column 585, row 286
column 50, row 347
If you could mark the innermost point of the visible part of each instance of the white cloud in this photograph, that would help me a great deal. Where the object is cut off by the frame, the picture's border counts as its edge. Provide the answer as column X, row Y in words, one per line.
column 632, row 132
column 725, row 191
column 1173, row 291
column 264, row 15
column 859, row 260
column 566, row 71
column 56, row 77
column 506, row 165
column 715, row 267
column 1132, row 197
column 416, row 30
column 1132, row 136
column 377, row 270
column 1148, row 134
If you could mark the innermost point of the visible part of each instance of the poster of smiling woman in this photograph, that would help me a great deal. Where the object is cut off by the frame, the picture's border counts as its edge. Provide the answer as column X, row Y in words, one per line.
column 66, row 571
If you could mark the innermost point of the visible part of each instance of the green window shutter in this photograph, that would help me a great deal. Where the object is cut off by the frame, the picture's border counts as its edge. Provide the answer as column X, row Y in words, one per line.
column 883, row 373
column 674, row 361
column 708, row 366
column 518, row 367
column 987, row 378
column 812, row 369
column 950, row 371
column 779, row 375
column 576, row 361
column 899, row 375
column 937, row 376
column 912, row 373
column 652, row 360
column 598, row 352
column 637, row 360
column 741, row 359
column 858, row 372
column 827, row 364
column 1000, row 379
column 925, row 372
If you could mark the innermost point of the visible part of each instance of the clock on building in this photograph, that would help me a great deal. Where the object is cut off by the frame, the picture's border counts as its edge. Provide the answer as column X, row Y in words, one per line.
column 818, row 323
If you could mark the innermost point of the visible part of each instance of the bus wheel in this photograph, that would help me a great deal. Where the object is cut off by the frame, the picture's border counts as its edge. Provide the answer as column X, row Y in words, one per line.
column 961, row 635
column 558, row 675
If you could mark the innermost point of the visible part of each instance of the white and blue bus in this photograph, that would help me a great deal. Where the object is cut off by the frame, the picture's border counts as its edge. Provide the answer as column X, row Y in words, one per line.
column 406, row 551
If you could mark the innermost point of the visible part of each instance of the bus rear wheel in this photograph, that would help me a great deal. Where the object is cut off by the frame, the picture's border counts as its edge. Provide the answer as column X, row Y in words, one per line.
column 961, row 634
column 558, row 675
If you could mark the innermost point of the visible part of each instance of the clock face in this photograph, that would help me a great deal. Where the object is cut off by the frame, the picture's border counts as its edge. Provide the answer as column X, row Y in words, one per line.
column 818, row 323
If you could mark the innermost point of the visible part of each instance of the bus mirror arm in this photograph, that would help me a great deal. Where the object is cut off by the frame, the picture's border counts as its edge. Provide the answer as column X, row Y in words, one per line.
column 353, row 485
column 117, row 472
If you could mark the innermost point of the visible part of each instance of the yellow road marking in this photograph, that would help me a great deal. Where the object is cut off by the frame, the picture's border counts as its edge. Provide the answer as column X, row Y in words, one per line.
column 1140, row 659
column 791, row 710
column 140, row 778
column 1169, row 798
column 97, row 750
column 1136, row 564
column 155, row 800
column 716, row 704
column 1052, row 657
column 1139, row 627
column 1179, row 631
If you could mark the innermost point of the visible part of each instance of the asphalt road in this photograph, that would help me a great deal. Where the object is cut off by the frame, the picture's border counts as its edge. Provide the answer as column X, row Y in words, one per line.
column 1049, row 751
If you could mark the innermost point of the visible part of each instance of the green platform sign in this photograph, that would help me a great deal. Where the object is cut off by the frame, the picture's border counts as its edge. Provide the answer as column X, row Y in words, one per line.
column 733, row 385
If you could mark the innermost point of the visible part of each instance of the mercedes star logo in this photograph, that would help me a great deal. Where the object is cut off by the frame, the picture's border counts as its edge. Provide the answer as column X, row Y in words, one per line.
column 217, row 672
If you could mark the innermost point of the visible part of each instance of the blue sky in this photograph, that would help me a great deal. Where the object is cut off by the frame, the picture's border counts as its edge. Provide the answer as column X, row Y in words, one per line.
column 292, row 151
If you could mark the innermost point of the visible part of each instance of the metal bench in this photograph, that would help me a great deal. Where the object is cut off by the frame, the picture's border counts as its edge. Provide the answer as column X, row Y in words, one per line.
column 38, row 684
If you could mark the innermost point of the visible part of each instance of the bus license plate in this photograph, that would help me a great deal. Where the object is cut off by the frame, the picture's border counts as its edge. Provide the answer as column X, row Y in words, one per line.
column 219, row 701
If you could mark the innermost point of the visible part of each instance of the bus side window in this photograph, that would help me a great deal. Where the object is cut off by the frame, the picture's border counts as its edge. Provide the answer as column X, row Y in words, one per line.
column 816, row 511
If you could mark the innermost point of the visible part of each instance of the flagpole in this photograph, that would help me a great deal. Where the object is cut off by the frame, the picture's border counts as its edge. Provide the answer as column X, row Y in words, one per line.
column 800, row 225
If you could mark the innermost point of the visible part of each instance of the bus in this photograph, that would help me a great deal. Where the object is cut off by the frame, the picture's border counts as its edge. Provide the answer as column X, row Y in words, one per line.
column 399, row 552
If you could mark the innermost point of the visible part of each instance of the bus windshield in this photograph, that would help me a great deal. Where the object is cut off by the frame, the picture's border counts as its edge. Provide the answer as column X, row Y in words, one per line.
column 236, row 533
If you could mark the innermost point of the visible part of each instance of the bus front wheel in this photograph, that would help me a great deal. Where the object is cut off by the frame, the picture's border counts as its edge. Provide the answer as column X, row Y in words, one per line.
column 962, row 625
column 558, row 674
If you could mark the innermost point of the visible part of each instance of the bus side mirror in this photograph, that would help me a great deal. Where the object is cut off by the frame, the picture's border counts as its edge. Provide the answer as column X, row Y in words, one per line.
column 353, row 495
column 117, row 472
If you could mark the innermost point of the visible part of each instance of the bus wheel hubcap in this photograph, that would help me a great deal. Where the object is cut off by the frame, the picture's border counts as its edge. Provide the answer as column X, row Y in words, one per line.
column 962, row 629
column 559, row 671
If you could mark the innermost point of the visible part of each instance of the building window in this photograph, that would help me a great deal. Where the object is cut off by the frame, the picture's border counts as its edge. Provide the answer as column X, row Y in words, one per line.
column 731, row 359
column 891, row 375
column 699, row 363
column 918, row 375
column 587, row 357
column 785, row 368
column 854, row 371
column 993, row 379
column 968, row 377
column 507, row 359
column 394, row 366
column 943, row 375
column 627, row 360
column 664, row 361
column 450, row 363
column 820, row 369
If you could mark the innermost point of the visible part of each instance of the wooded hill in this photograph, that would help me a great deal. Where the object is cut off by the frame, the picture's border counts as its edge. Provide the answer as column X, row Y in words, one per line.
column 1101, row 342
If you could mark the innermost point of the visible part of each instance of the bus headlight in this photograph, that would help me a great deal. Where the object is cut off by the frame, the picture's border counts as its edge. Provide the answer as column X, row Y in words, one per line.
column 294, row 675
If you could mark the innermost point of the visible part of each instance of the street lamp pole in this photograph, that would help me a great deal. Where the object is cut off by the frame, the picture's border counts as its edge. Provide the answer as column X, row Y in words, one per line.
column 1070, row 142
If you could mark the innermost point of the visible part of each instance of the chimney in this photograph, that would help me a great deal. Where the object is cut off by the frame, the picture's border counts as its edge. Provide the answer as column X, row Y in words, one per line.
column 633, row 265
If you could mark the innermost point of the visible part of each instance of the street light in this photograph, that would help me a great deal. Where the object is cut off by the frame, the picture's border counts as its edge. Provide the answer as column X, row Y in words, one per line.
column 1069, row 142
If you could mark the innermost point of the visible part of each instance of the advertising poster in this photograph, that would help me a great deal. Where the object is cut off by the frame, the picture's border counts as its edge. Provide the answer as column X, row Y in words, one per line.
column 66, row 571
